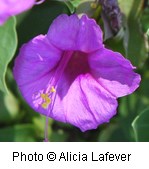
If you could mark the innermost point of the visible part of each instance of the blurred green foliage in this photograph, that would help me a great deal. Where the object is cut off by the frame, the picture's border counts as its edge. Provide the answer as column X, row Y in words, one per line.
column 18, row 122
column 141, row 126
column 8, row 44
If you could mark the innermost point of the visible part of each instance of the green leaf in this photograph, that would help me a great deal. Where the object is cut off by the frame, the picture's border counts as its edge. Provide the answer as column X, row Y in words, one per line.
column 119, row 129
column 131, row 6
column 86, row 7
column 80, row 6
column 145, row 20
column 147, row 32
column 59, row 136
column 70, row 6
column 134, row 41
column 116, row 44
column 76, row 3
column 8, row 44
column 39, row 123
column 9, row 107
column 141, row 126
column 18, row 133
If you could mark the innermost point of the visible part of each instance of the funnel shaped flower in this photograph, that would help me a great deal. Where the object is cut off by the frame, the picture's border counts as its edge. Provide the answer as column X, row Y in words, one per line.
column 70, row 76
column 10, row 8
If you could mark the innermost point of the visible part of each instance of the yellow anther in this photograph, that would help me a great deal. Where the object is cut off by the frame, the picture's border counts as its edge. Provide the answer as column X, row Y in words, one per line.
column 45, row 105
column 53, row 90
column 43, row 96
column 46, row 99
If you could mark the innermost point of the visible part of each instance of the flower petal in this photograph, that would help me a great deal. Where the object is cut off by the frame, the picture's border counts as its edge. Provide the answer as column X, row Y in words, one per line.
column 84, row 103
column 71, row 33
column 36, row 58
column 114, row 72
column 32, row 92
column 13, row 7
column 34, row 68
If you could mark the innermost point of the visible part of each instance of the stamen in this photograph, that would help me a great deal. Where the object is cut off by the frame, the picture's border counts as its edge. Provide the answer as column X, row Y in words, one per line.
column 52, row 89
column 47, row 100
column 43, row 96
column 47, row 97
column 44, row 105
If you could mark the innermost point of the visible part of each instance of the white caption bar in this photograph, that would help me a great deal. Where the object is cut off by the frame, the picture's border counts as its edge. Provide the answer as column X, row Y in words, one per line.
column 74, row 155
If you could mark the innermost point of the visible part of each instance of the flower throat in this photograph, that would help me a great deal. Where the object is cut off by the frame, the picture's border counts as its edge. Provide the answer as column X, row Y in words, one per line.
column 49, row 96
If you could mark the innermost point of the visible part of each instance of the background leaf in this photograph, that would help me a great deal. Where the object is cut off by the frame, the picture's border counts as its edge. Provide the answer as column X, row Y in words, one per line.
column 8, row 44
column 18, row 133
column 141, row 126
column 70, row 6
column 134, row 41
column 76, row 3
column 148, row 32
column 85, row 7
column 9, row 108
column 145, row 20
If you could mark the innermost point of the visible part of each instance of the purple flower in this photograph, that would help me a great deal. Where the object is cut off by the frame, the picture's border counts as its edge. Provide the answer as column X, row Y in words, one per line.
column 70, row 76
column 10, row 8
